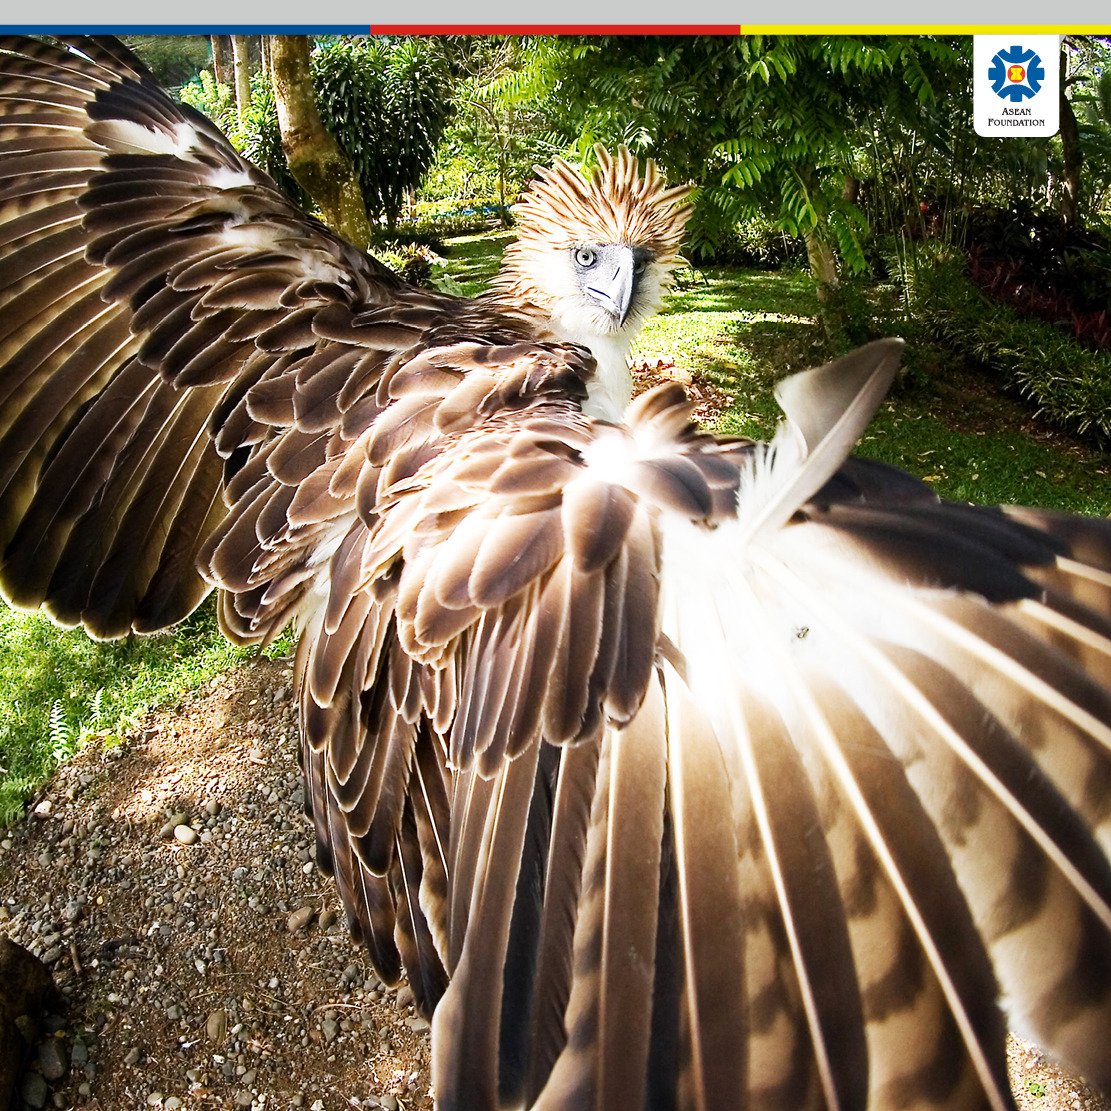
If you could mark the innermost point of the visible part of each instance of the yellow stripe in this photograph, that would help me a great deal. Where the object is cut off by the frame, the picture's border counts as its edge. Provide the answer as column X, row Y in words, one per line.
column 925, row 29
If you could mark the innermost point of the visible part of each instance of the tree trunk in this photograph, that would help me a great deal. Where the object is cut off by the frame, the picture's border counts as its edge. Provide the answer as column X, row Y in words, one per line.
column 823, row 266
column 241, row 53
column 264, row 42
column 221, row 59
column 314, row 157
column 1072, row 155
column 823, row 263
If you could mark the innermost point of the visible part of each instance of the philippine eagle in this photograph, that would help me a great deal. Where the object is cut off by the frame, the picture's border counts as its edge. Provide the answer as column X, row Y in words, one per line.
column 674, row 771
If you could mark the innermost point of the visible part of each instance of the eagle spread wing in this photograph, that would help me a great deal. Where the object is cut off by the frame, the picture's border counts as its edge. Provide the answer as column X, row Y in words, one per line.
column 674, row 771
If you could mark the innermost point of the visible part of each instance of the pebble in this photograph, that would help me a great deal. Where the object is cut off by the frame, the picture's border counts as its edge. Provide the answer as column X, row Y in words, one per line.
column 132, row 1056
column 216, row 1025
column 328, row 919
column 52, row 1060
column 172, row 1103
column 330, row 1029
column 185, row 834
column 300, row 918
column 34, row 1090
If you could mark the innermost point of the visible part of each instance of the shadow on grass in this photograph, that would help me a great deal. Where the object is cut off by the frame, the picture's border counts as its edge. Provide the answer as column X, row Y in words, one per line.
column 472, row 260
column 725, row 289
column 58, row 687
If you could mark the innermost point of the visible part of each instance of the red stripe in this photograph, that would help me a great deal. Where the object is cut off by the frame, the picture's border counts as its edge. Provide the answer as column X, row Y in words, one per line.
column 554, row 29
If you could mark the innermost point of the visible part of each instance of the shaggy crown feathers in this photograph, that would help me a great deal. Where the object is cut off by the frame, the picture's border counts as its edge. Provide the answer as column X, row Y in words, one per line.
column 563, row 207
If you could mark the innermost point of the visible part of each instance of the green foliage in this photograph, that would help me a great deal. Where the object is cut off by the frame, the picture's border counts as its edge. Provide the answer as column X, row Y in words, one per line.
column 1091, row 98
column 1070, row 385
column 214, row 100
column 415, row 262
column 435, row 229
column 767, row 125
column 173, row 59
column 261, row 139
column 386, row 104
column 760, row 242
column 503, row 124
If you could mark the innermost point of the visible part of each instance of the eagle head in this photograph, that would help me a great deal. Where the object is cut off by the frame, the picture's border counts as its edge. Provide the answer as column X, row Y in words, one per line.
column 594, row 254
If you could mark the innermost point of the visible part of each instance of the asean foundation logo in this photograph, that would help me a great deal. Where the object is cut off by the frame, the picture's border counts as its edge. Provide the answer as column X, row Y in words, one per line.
column 1016, row 74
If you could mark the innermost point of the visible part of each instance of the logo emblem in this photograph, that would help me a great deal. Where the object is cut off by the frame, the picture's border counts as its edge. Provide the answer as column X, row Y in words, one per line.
column 1016, row 74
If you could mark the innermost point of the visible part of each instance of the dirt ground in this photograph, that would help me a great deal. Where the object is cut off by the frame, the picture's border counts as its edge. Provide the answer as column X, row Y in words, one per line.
column 216, row 973
column 168, row 883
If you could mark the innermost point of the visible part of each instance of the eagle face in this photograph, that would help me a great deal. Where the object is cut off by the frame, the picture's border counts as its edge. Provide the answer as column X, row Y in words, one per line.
column 602, row 290
column 609, row 275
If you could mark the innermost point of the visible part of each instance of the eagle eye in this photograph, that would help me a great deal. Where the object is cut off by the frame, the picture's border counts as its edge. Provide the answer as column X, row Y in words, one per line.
column 586, row 257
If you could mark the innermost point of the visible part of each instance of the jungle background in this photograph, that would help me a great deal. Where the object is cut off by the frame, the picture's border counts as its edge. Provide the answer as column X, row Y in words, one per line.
column 842, row 194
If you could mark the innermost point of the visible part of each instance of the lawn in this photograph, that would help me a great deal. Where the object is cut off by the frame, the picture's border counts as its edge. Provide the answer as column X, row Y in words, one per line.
column 740, row 329
column 951, row 427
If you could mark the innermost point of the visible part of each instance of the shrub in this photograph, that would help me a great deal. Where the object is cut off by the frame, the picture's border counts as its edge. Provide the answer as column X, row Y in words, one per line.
column 1070, row 384
column 1023, row 252
column 414, row 262
column 386, row 104
column 214, row 100
column 435, row 230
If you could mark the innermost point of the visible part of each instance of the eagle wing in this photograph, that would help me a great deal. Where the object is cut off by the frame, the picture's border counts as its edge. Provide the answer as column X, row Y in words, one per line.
column 675, row 772
column 151, row 277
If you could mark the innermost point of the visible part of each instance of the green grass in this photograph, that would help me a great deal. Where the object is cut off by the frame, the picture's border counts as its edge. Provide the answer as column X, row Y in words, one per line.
column 743, row 330
column 951, row 428
column 473, row 260
column 58, row 687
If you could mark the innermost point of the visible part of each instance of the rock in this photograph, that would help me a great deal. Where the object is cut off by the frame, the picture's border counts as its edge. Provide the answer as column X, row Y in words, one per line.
column 133, row 1055
column 388, row 1102
column 418, row 1023
column 328, row 919
column 300, row 919
column 79, row 1054
column 243, row 1098
column 404, row 995
column 28, row 993
column 186, row 835
column 216, row 1025
column 330, row 1029
column 172, row 1103
column 52, row 1059
column 34, row 1090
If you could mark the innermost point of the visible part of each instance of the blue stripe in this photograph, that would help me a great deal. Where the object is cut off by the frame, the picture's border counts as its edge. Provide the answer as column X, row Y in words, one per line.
column 185, row 29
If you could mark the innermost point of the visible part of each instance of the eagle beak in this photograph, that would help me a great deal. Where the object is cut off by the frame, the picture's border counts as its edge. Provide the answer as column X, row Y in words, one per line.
column 616, row 283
